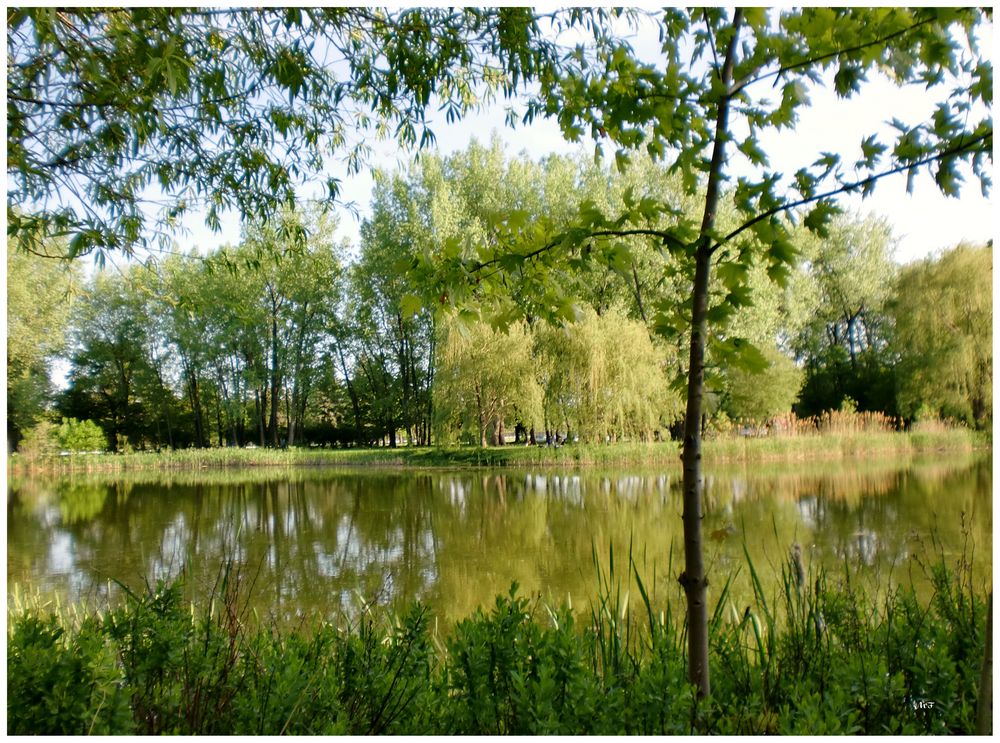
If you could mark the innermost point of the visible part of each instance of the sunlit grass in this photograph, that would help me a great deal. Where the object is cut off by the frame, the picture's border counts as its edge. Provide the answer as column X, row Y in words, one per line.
column 837, row 444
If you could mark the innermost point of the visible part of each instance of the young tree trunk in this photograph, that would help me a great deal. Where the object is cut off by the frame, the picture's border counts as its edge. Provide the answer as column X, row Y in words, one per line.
column 693, row 579
column 164, row 407
column 429, row 413
column 479, row 417
column 351, row 392
column 260, row 396
column 851, row 333
column 195, row 396
column 272, row 423
column 218, row 420
column 290, row 417
column 638, row 294
column 237, row 411
column 405, row 389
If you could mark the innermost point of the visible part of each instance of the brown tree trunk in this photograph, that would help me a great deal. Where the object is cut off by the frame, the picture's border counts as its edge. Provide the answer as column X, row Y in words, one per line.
column 693, row 579
column 355, row 404
column 479, row 418
column 194, row 394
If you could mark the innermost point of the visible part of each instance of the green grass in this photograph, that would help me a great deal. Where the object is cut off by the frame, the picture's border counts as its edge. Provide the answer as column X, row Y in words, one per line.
column 840, row 445
column 719, row 449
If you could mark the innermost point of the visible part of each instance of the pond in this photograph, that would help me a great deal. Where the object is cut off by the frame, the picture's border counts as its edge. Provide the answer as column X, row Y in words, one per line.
column 314, row 541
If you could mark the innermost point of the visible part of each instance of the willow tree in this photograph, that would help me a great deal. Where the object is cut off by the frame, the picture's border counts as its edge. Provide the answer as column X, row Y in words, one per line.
column 943, row 314
column 724, row 80
column 122, row 120
column 485, row 380
column 604, row 377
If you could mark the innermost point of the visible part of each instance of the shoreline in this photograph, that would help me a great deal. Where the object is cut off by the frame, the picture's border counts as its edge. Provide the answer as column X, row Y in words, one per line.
column 723, row 450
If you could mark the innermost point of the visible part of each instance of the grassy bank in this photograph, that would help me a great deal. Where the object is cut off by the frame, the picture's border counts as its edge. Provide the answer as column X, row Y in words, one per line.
column 822, row 657
column 732, row 448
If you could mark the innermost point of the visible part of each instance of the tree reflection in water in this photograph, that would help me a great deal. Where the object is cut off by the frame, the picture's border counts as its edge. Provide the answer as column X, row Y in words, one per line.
column 323, row 542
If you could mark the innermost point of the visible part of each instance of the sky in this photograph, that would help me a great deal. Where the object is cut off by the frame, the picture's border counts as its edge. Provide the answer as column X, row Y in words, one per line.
column 924, row 223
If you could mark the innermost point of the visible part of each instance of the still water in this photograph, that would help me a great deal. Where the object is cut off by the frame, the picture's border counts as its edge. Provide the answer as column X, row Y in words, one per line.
column 314, row 542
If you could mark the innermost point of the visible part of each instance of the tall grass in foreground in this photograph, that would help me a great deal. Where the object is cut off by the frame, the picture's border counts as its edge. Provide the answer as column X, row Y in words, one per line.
column 821, row 656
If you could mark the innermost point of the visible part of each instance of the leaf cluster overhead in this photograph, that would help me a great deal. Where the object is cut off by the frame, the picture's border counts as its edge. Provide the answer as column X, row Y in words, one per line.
column 121, row 120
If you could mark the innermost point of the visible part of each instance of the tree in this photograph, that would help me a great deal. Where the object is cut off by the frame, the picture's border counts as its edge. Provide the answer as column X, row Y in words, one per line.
column 486, row 379
column 313, row 283
column 40, row 295
column 109, row 378
column 603, row 377
column 276, row 284
column 942, row 311
column 848, row 278
column 853, row 269
column 397, row 336
column 227, row 108
column 709, row 91
column 762, row 395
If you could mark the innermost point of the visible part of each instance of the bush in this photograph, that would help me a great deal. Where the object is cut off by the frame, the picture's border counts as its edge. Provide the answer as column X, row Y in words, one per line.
column 74, row 435
column 39, row 441
column 62, row 683
column 46, row 439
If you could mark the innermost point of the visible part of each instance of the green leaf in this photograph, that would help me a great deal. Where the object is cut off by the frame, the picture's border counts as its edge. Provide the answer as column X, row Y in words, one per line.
column 619, row 258
column 410, row 305
column 741, row 353
column 720, row 313
column 756, row 18
column 848, row 79
column 818, row 218
column 871, row 150
column 754, row 154
column 732, row 273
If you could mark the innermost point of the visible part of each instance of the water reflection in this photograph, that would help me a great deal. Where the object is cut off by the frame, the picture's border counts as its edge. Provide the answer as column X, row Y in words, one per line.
column 320, row 541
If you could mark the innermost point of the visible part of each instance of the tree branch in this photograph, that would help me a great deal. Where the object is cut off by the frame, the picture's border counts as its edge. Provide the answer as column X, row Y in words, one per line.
column 741, row 84
column 711, row 39
column 967, row 147
column 661, row 234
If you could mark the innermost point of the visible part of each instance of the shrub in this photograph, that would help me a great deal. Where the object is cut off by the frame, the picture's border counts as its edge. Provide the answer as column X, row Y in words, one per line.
column 39, row 441
column 60, row 682
column 74, row 435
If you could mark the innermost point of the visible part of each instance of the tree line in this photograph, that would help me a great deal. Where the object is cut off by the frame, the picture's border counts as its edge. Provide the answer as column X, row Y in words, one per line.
column 276, row 343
